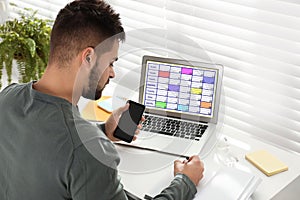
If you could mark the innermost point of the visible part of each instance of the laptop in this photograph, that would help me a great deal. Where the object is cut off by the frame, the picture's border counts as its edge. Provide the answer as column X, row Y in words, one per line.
column 182, row 101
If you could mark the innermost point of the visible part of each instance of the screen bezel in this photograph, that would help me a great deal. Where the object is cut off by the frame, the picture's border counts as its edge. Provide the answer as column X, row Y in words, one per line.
column 217, row 67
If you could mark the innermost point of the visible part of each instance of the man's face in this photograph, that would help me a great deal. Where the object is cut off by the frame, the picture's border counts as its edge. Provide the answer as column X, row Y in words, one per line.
column 101, row 72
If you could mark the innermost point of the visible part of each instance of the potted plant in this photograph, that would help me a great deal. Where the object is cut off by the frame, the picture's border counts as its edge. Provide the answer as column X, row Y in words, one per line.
column 26, row 40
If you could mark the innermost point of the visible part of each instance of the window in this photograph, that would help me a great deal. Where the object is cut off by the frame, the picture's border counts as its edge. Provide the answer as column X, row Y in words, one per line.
column 257, row 42
column 3, row 10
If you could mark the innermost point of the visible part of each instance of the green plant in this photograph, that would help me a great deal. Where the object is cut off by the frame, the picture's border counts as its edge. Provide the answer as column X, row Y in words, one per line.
column 26, row 40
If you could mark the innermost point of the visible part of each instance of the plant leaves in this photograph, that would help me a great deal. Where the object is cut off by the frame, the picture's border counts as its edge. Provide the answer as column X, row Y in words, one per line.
column 25, row 39
column 31, row 46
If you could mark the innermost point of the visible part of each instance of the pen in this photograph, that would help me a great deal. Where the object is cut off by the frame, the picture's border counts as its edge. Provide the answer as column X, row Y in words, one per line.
column 187, row 159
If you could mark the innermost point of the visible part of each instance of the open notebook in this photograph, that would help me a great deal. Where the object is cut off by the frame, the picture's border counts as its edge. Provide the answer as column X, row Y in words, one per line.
column 228, row 183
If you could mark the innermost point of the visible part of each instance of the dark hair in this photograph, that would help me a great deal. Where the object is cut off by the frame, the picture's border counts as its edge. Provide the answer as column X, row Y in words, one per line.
column 80, row 24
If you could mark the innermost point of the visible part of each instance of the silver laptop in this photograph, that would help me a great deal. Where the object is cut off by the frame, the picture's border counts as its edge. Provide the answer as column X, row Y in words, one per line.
column 182, row 101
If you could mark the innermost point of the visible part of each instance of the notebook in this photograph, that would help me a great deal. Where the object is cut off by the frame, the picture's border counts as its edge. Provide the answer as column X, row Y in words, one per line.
column 229, row 183
column 266, row 162
column 182, row 102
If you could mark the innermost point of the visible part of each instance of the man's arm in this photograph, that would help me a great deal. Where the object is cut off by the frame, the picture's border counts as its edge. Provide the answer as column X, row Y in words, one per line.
column 180, row 188
column 93, row 178
column 187, row 173
column 101, row 126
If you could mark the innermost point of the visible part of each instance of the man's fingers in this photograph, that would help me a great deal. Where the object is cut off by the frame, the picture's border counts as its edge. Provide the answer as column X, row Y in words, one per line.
column 194, row 158
column 176, row 162
column 134, row 138
column 140, row 126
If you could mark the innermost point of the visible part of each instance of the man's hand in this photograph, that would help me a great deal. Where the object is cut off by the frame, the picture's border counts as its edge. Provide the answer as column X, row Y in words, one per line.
column 193, row 168
column 113, row 120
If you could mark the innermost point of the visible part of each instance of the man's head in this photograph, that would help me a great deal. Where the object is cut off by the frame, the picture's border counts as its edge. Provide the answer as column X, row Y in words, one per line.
column 79, row 31
column 82, row 24
column 102, row 70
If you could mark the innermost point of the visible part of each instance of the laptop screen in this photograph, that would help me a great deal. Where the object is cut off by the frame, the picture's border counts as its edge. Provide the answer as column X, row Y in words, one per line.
column 179, row 87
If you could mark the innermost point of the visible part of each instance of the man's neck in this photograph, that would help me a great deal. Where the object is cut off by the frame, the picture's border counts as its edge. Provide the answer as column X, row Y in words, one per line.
column 57, row 82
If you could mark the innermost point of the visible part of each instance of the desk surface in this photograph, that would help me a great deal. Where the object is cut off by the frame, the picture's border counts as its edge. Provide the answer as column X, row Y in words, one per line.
column 144, row 172
column 151, row 182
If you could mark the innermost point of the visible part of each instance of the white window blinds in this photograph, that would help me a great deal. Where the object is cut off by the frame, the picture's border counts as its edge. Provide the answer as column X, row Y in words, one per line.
column 258, row 42
column 3, row 10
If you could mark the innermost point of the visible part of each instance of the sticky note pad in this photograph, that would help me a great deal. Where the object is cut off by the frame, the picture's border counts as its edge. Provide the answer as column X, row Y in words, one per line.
column 266, row 162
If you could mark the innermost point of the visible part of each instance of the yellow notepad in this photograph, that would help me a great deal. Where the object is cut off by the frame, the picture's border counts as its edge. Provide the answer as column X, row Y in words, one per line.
column 266, row 162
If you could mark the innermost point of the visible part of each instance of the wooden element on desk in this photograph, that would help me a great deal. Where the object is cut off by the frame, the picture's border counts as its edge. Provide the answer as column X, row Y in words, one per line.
column 93, row 112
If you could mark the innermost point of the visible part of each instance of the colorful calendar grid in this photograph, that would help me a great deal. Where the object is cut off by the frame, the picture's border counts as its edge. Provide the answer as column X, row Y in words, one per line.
column 180, row 88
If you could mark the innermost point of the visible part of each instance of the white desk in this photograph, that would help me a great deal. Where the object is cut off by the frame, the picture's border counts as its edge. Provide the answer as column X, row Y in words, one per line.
column 145, row 172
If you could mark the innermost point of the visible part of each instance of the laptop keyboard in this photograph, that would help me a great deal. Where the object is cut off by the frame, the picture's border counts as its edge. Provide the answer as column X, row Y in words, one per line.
column 173, row 127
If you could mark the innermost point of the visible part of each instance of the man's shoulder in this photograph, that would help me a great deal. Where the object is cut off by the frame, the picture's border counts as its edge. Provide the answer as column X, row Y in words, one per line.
column 14, row 95
column 94, row 140
column 87, row 131
column 79, row 127
column 12, row 87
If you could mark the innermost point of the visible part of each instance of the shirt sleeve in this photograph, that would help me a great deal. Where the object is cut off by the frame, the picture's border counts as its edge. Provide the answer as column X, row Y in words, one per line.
column 180, row 188
column 101, row 126
column 96, row 177
column 92, row 179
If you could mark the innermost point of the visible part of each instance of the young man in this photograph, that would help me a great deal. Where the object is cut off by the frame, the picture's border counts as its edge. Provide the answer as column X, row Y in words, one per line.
column 47, row 151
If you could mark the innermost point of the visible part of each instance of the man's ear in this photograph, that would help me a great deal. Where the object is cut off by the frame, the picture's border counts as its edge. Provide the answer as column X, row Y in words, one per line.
column 88, row 58
column 87, row 55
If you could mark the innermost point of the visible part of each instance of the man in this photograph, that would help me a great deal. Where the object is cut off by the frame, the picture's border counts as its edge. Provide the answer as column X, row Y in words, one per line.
column 47, row 150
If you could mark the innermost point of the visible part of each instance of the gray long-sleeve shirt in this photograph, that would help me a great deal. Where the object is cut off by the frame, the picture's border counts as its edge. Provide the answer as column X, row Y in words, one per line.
column 47, row 151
